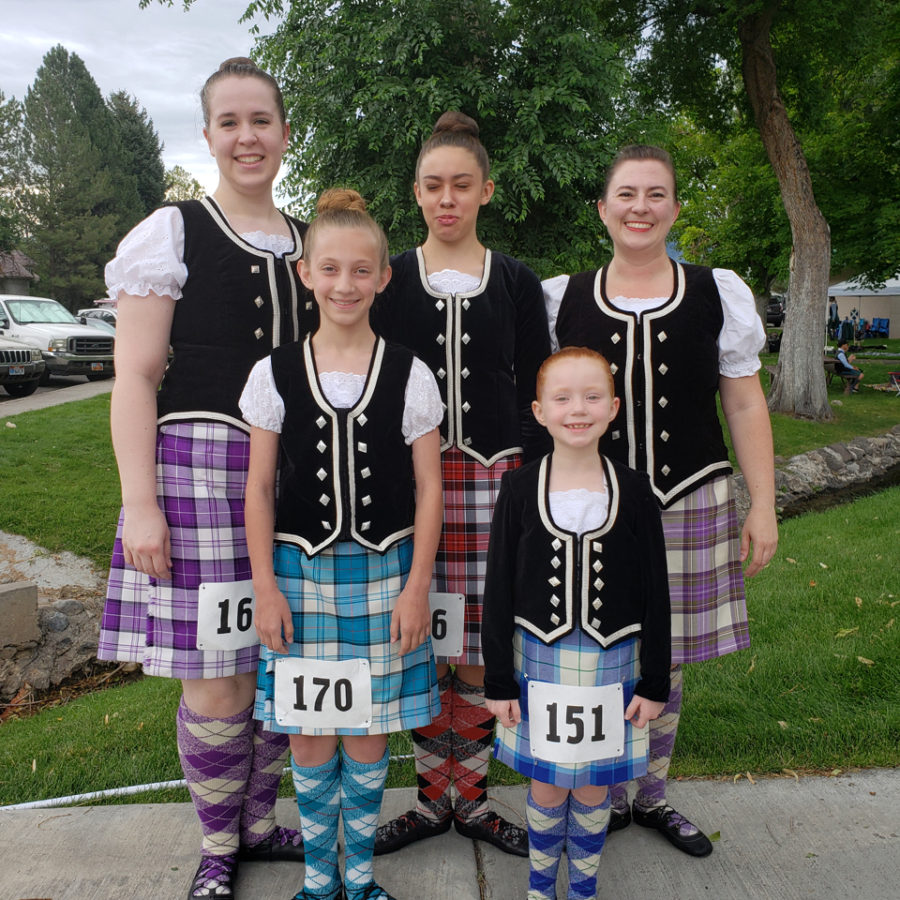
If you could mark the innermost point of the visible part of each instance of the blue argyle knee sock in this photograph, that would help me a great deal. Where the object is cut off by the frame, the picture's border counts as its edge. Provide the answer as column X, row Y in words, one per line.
column 546, row 837
column 362, row 786
column 319, row 799
column 585, row 836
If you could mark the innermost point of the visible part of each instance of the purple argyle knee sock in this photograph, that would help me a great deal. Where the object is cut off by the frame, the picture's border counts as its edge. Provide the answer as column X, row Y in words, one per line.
column 652, row 786
column 215, row 757
column 270, row 751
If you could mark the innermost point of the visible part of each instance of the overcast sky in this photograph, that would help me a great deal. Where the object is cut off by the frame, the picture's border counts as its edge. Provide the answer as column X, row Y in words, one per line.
column 160, row 55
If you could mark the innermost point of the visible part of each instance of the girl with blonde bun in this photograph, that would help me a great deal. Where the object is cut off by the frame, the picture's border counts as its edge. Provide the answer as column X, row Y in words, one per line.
column 342, row 554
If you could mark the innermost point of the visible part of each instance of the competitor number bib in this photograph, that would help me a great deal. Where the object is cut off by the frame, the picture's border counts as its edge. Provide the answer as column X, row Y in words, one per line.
column 316, row 693
column 571, row 724
column 225, row 616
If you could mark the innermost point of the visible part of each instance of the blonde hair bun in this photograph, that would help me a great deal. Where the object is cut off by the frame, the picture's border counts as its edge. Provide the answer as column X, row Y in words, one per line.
column 335, row 199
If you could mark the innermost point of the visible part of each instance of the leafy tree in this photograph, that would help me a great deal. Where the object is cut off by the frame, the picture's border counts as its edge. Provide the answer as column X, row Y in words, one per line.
column 140, row 140
column 800, row 74
column 10, row 171
column 181, row 185
column 80, row 195
column 365, row 82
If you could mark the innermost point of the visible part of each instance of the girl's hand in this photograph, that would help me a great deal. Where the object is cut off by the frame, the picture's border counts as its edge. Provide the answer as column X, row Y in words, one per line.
column 640, row 711
column 411, row 619
column 506, row 711
column 145, row 541
column 274, row 624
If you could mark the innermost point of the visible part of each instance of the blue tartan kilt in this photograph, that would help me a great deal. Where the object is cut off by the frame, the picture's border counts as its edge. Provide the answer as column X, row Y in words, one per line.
column 575, row 659
column 341, row 602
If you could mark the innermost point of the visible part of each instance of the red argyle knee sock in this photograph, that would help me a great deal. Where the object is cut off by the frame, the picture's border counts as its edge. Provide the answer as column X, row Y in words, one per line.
column 473, row 728
column 433, row 747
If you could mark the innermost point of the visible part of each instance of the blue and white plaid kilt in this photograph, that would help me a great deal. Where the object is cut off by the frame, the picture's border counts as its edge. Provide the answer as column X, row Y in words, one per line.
column 341, row 600
column 578, row 660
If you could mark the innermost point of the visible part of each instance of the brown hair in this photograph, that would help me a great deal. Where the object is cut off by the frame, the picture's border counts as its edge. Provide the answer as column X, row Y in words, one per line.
column 344, row 208
column 572, row 353
column 639, row 152
column 243, row 68
column 456, row 129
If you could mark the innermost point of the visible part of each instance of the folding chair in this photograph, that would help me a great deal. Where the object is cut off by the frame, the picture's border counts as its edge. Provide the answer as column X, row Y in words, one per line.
column 895, row 382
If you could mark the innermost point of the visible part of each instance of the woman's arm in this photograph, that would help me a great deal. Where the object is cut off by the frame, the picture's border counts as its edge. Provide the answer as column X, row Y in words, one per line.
column 143, row 328
column 274, row 624
column 747, row 415
column 411, row 619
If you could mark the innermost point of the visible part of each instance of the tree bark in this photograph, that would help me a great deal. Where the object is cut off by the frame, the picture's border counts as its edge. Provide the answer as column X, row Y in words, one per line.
column 798, row 387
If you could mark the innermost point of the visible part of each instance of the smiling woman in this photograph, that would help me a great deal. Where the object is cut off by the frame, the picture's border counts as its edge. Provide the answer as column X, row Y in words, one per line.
column 215, row 279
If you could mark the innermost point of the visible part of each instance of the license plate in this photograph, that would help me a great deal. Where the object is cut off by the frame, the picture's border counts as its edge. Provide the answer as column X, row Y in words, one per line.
column 96, row 367
column 17, row 370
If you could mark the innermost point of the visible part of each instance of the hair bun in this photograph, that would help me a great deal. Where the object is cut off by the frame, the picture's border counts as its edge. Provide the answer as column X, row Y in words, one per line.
column 455, row 121
column 340, row 198
column 237, row 61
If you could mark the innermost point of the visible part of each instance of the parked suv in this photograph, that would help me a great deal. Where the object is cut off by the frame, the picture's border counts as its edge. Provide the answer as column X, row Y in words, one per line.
column 775, row 312
column 21, row 367
column 93, row 314
column 68, row 347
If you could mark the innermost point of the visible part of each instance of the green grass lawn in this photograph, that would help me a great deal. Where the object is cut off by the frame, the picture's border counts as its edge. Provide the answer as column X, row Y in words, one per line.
column 818, row 690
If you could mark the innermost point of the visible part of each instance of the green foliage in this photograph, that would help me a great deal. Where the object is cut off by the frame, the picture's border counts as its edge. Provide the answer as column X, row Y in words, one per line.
column 10, row 171
column 838, row 70
column 181, row 185
column 365, row 82
column 141, row 142
column 82, row 190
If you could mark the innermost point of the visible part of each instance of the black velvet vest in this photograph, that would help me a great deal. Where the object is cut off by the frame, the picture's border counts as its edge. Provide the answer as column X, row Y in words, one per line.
column 666, row 369
column 344, row 474
column 237, row 305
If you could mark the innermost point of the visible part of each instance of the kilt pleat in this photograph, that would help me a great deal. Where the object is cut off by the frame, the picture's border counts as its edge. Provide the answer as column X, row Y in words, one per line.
column 341, row 602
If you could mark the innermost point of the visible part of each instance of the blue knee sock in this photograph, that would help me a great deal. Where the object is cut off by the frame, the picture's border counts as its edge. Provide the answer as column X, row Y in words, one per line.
column 362, row 786
column 546, row 837
column 585, row 836
column 319, row 799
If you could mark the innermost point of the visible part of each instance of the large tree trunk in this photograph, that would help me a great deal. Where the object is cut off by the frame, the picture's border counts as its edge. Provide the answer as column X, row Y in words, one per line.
column 799, row 384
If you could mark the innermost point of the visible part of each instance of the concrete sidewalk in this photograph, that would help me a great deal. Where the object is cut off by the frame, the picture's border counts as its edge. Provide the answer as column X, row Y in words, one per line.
column 44, row 399
column 781, row 839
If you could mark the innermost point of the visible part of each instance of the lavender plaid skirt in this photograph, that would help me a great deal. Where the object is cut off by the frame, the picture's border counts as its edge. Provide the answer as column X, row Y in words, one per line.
column 579, row 660
column 706, row 585
column 341, row 602
column 470, row 493
column 201, row 471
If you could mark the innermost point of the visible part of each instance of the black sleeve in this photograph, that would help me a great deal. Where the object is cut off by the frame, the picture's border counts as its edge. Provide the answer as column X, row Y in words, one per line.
column 497, row 620
column 656, row 628
column 532, row 348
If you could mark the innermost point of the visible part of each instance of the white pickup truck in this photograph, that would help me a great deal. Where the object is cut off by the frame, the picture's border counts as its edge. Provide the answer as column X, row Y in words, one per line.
column 68, row 346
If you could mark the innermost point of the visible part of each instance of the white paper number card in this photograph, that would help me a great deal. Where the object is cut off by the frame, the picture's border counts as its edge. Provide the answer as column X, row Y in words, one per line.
column 570, row 724
column 314, row 693
column 225, row 616
column 447, row 618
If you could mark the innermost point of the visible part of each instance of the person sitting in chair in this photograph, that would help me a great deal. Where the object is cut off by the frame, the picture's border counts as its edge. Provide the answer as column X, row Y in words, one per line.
column 851, row 375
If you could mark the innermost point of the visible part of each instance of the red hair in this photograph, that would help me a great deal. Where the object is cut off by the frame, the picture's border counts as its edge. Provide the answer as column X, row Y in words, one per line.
column 573, row 353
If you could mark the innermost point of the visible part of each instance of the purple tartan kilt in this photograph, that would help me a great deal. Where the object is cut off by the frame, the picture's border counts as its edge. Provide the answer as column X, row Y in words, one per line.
column 470, row 493
column 706, row 585
column 201, row 472
column 579, row 660
column 341, row 602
